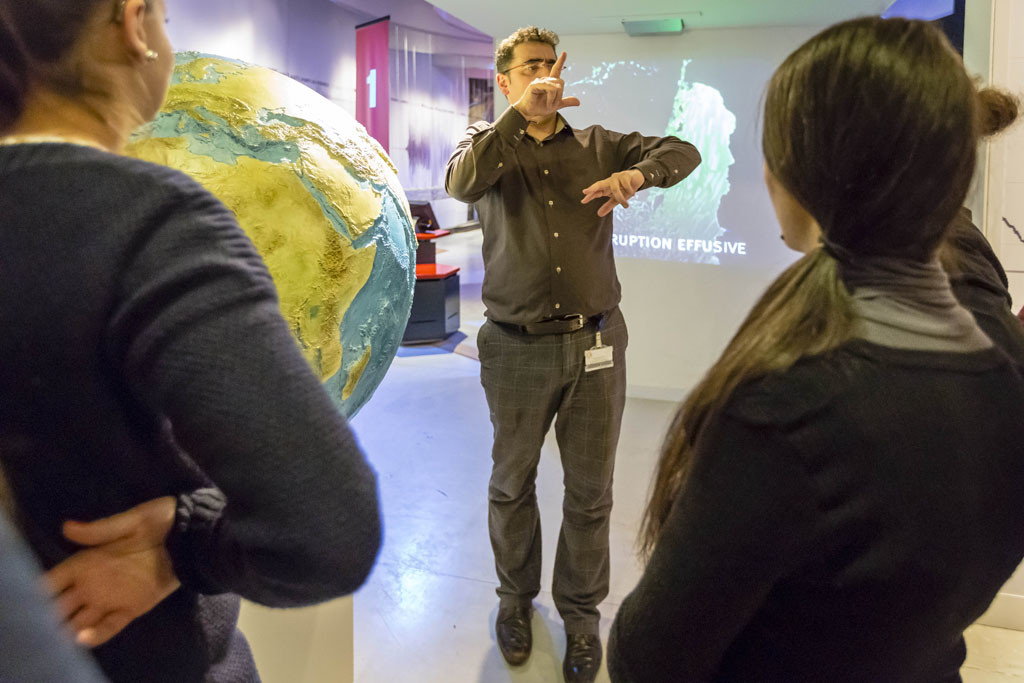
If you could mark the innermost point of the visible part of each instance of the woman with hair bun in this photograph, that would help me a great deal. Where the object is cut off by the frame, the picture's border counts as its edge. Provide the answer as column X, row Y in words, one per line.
column 840, row 496
column 975, row 272
column 158, row 423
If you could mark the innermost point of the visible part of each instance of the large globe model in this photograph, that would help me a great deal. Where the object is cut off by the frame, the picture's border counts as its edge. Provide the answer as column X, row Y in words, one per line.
column 318, row 197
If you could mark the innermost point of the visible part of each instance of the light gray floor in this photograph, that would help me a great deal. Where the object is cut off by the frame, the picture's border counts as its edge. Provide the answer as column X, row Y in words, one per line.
column 427, row 613
column 431, row 603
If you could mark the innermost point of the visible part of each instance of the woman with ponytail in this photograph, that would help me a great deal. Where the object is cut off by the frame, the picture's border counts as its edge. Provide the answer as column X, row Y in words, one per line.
column 168, row 447
column 839, row 497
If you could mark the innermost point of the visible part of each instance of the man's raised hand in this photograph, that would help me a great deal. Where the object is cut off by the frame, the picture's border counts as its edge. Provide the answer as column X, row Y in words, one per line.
column 543, row 97
column 618, row 187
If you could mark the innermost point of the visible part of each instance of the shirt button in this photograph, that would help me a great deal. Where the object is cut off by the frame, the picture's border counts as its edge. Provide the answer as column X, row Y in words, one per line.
column 545, row 171
column 652, row 176
column 521, row 131
column 500, row 164
column 558, row 269
column 550, row 203
column 675, row 170
column 556, row 234
column 557, row 306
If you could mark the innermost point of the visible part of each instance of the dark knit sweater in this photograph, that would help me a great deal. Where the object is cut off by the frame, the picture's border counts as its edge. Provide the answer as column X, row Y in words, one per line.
column 981, row 286
column 844, row 520
column 139, row 325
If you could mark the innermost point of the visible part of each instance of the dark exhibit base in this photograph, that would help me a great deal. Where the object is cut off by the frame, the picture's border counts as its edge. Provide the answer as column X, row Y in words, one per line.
column 435, row 304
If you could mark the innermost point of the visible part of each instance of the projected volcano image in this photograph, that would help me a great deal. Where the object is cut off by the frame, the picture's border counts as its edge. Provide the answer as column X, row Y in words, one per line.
column 680, row 223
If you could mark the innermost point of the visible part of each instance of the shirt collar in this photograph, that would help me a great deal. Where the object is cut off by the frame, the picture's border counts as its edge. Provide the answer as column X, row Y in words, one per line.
column 561, row 125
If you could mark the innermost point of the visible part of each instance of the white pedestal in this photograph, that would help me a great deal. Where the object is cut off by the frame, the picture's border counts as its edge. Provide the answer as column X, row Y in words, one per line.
column 308, row 645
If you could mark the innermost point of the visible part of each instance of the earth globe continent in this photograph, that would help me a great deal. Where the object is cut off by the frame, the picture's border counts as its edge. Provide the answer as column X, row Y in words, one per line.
column 318, row 197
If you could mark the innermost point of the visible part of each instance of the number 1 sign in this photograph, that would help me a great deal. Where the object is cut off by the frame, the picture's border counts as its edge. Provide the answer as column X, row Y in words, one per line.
column 372, row 95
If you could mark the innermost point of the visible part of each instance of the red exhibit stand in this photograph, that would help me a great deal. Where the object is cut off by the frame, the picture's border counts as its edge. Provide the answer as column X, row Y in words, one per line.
column 435, row 302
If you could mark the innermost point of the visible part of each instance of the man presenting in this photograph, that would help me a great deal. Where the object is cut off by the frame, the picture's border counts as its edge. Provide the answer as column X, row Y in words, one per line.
column 553, row 347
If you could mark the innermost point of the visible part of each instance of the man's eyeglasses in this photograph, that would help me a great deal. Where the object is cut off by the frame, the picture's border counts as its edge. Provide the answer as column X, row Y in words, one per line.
column 532, row 67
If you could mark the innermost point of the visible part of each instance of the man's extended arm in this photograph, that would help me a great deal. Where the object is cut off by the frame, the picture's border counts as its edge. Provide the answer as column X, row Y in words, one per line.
column 482, row 155
column 663, row 161
column 660, row 162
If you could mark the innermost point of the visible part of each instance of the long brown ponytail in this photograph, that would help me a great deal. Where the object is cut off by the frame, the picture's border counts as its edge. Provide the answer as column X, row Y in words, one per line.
column 805, row 311
column 872, row 126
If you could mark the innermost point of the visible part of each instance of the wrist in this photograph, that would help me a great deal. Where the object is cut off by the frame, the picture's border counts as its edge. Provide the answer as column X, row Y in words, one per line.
column 197, row 521
column 528, row 116
column 637, row 179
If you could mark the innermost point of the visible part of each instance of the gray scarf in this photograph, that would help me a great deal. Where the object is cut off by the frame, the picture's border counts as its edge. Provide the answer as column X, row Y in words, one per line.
column 906, row 304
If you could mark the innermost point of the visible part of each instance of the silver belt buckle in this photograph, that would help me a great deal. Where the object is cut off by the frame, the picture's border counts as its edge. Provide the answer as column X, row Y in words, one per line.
column 577, row 322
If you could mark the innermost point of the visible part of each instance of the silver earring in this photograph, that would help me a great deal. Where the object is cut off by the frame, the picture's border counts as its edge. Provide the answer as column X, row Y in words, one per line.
column 151, row 55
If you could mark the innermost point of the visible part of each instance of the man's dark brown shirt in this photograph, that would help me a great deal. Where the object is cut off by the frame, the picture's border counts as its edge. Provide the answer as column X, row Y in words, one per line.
column 546, row 255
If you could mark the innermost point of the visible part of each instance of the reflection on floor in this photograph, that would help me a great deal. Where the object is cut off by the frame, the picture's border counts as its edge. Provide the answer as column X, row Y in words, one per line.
column 427, row 613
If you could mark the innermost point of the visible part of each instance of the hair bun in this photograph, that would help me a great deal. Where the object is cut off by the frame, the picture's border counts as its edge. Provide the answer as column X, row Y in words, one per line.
column 999, row 109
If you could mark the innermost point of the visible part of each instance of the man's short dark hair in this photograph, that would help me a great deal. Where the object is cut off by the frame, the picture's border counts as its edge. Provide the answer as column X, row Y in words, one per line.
column 529, row 34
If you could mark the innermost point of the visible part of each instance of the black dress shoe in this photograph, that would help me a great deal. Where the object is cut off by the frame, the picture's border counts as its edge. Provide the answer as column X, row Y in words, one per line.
column 515, row 637
column 582, row 658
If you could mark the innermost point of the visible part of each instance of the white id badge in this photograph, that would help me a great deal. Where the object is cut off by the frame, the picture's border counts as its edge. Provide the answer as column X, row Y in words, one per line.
column 599, row 357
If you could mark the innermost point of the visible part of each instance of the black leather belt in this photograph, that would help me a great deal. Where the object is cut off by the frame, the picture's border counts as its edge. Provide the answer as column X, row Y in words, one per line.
column 567, row 323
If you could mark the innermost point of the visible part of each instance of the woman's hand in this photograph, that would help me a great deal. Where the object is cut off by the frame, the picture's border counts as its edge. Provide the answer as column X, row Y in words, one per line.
column 124, row 571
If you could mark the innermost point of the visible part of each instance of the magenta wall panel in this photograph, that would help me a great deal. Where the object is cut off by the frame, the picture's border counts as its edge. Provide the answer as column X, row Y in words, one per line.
column 373, row 95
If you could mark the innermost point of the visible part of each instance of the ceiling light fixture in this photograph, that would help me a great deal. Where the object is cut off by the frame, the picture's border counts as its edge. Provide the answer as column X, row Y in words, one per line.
column 653, row 27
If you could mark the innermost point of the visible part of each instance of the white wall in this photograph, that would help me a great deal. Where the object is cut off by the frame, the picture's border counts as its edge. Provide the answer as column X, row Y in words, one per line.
column 999, row 40
column 250, row 30
column 978, row 61
column 310, row 40
column 1006, row 160
column 307, row 645
column 681, row 315
column 430, row 109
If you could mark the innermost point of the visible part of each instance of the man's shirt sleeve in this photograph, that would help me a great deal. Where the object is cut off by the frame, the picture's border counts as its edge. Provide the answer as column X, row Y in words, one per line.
column 482, row 156
column 663, row 161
